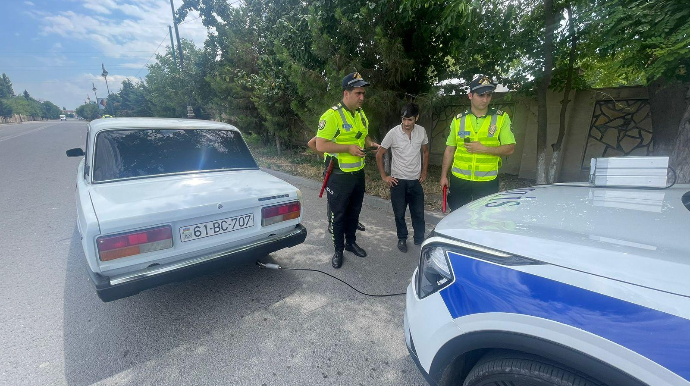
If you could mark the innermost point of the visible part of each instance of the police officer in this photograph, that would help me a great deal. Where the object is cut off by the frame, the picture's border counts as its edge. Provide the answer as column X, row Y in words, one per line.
column 342, row 135
column 478, row 138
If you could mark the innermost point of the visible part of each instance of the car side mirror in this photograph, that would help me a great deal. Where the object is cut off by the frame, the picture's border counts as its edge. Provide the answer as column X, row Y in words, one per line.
column 76, row 152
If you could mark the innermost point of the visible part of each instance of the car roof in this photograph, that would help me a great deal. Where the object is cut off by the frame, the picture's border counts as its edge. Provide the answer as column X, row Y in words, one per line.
column 157, row 123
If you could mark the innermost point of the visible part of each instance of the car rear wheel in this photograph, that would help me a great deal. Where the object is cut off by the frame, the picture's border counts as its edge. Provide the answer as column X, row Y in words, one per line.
column 512, row 368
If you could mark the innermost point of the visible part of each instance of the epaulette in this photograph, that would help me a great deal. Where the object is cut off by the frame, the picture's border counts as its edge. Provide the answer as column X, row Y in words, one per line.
column 334, row 107
column 458, row 116
column 500, row 112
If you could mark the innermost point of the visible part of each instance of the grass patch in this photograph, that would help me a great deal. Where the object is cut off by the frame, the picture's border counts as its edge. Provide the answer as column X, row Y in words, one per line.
column 305, row 163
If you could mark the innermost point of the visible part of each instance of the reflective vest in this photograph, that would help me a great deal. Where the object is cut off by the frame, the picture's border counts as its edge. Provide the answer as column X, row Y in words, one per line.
column 477, row 167
column 352, row 131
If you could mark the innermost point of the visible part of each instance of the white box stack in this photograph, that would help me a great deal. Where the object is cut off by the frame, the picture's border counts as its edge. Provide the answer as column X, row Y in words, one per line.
column 647, row 172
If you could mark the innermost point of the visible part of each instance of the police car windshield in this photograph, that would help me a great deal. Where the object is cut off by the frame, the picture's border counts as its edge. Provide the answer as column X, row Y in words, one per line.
column 131, row 153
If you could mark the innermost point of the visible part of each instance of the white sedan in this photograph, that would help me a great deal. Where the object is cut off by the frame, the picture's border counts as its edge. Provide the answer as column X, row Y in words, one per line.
column 159, row 200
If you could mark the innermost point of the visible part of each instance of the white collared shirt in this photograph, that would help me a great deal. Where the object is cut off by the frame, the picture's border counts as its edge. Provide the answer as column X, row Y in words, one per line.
column 406, row 151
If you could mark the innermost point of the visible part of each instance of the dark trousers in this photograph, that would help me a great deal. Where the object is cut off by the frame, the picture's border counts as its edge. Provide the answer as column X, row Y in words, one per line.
column 345, row 195
column 408, row 192
column 463, row 191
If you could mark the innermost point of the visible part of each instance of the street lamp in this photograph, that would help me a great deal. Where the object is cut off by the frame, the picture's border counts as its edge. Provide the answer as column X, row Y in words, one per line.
column 104, row 74
column 94, row 91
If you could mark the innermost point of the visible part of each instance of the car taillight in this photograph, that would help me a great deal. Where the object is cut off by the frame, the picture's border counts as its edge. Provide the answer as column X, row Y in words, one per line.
column 274, row 214
column 134, row 243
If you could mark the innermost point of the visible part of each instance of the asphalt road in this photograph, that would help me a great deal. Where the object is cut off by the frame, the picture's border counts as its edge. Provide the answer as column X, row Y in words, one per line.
column 240, row 326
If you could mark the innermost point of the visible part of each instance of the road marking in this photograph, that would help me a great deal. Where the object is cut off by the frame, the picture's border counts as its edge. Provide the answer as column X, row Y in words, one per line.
column 26, row 132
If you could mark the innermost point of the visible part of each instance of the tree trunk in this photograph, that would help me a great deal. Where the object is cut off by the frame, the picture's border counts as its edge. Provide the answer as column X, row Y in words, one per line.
column 542, row 90
column 680, row 158
column 557, row 156
column 278, row 146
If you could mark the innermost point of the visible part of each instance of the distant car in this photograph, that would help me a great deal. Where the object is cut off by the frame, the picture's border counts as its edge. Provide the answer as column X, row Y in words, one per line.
column 556, row 285
column 63, row 117
column 161, row 200
column 107, row 116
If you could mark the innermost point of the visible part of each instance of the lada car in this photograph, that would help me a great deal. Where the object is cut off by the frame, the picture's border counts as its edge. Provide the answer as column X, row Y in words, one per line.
column 556, row 285
column 161, row 200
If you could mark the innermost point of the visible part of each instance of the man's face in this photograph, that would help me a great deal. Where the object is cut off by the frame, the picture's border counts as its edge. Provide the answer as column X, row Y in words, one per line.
column 354, row 98
column 408, row 123
column 480, row 102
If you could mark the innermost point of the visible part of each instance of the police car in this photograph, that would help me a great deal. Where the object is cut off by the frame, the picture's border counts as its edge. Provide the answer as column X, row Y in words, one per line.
column 556, row 285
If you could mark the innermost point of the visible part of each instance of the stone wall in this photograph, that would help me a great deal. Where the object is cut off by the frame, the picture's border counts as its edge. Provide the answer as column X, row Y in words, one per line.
column 626, row 117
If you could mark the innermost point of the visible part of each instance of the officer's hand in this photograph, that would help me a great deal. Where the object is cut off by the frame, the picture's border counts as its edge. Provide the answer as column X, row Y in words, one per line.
column 444, row 181
column 391, row 181
column 422, row 178
column 475, row 147
column 356, row 151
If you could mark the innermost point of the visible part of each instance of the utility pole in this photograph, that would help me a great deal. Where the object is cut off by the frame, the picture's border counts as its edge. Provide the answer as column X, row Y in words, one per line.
column 104, row 74
column 172, row 44
column 177, row 33
column 94, row 91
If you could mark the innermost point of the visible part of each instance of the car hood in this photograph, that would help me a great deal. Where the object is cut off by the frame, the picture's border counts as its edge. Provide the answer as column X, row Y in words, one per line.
column 121, row 205
column 632, row 235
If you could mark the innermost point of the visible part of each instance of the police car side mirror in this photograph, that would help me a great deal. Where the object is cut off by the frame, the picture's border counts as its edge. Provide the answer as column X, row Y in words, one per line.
column 76, row 152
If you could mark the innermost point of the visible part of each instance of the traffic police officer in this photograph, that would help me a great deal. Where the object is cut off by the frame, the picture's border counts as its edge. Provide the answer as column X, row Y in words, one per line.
column 478, row 138
column 342, row 135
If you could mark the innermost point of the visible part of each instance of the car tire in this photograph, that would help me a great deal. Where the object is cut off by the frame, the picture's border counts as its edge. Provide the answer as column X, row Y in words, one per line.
column 512, row 368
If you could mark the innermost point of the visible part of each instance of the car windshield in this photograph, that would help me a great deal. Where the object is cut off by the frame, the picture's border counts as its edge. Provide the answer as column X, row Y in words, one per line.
column 129, row 153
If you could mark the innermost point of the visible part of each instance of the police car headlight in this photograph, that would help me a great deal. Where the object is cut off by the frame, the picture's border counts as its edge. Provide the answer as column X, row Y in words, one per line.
column 434, row 271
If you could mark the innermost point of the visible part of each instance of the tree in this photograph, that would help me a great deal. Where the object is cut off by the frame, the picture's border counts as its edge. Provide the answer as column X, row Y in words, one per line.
column 26, row 95
column 654, row 37
column 544, row 82
column 49, row 110
column 6, row 90
column 6, row 110
column 88, row 111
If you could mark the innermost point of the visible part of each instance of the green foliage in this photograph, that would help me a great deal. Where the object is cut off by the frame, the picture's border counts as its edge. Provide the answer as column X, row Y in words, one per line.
column 6, row 109
column 50, row 110
column 6, row 90
column 88, row 111
column 646, row 39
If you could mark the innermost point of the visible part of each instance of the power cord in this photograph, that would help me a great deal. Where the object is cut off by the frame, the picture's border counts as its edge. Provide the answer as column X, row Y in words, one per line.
column 278, row 267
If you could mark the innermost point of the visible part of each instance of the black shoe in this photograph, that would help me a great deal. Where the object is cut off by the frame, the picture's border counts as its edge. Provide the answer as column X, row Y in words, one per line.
column 337, row 259
column 360, row 227
column 402, row 245
column 418, row 242
column 356, row 249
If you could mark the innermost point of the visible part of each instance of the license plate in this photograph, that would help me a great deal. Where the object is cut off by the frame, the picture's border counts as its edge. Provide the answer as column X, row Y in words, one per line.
column 216, row 227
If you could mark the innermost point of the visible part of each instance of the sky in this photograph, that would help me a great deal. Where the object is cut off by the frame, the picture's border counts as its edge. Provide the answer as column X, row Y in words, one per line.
column 54, row 48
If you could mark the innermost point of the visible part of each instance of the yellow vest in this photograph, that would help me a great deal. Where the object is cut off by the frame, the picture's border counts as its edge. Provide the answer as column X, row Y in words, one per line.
column 352, row 131
column 476, row 167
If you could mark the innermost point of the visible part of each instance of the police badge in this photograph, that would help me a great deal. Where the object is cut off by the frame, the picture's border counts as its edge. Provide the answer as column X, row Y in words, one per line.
column 492, row 130
column 322, row 124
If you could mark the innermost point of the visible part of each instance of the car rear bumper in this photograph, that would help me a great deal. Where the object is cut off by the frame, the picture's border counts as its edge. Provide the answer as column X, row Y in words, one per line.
column 113, row 288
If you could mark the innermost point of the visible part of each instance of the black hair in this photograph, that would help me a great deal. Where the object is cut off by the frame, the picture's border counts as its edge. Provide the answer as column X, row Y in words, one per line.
column 410, row 110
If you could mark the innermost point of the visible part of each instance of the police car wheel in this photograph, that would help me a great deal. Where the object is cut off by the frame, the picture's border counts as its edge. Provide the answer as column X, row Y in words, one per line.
column 512, row 368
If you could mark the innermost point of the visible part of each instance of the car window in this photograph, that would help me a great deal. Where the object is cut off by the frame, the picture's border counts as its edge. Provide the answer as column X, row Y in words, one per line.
column 132, row 153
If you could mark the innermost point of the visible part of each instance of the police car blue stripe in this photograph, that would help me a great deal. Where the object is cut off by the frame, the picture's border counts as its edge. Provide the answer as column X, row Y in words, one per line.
column 481, row 287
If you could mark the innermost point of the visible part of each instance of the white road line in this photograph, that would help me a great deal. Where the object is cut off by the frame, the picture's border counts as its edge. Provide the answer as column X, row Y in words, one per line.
column 26, row 132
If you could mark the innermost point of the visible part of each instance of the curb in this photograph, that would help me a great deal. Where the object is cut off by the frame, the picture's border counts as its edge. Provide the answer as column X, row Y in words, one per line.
column 379, row 203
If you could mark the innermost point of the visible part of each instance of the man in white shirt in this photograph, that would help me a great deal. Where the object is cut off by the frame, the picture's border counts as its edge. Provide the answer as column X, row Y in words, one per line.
column 409, row 147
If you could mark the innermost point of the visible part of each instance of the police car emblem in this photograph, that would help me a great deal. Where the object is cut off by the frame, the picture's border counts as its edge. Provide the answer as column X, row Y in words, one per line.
column 492, row 130
column 322, row 124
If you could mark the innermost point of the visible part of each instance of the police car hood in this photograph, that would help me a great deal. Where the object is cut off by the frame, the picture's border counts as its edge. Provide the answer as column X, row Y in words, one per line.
column 633, row 235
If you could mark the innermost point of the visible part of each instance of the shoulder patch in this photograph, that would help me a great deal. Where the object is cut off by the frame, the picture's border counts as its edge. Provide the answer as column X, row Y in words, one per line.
column 322, row 124
column 334, row 107
column 458, row 116
column 500, row 112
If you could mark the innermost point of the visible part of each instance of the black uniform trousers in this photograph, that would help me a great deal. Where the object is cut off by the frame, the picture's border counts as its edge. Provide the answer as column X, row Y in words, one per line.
column 463, row 191
column 408, row 192
column 345, row 195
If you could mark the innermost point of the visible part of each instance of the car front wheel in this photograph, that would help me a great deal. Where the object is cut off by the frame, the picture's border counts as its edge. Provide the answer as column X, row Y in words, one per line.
column 512, row 368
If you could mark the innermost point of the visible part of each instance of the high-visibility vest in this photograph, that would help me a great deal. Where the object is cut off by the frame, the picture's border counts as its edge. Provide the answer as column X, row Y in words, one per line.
column 477, row 167
column 352, row 131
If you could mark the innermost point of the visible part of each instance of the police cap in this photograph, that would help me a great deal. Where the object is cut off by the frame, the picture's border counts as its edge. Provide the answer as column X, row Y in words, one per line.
column 353, row 80
column 481, row 85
